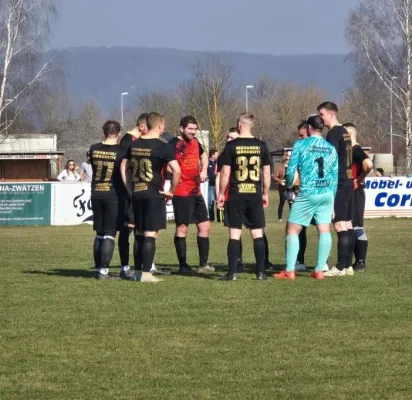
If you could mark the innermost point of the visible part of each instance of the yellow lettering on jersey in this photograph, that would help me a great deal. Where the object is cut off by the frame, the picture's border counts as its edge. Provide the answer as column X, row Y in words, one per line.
column 247, row 188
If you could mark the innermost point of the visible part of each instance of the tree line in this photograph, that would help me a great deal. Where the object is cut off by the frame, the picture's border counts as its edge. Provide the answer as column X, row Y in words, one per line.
column 379, row 100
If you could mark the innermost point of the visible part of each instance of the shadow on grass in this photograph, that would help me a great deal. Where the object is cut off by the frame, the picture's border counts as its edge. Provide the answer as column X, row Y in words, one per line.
column 68, row 273
column 168, row 269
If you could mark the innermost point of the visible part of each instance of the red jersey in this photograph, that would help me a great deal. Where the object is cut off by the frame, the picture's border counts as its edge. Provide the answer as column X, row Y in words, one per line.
column 358, row 156
column 188, row 154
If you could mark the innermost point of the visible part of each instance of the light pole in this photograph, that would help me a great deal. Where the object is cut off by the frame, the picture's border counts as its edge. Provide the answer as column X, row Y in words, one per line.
column 391, row 107
column 121, row 105
column 247, row 100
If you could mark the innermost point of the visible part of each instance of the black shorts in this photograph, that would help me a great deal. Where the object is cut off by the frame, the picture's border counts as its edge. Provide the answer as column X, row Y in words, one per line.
column 343, row 205
column 248, row 212
column 106, row 215
column 189, row 210
column 359, row 207
column 149, row 214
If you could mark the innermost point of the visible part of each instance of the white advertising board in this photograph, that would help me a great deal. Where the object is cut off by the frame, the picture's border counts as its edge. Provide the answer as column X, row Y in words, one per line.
column 388, row 197
column 71, row 204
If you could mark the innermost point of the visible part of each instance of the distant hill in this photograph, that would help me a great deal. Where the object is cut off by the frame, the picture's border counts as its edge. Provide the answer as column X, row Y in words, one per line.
column 103, row 73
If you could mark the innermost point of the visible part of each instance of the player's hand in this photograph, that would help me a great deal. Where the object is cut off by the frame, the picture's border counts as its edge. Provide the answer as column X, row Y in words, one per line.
column 168, row 195
column 283, row 183
column 265, row 199
column 203, row 176
column 221, row 202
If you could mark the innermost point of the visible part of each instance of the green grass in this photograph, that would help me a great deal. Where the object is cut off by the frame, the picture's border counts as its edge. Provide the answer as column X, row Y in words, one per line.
column 65, row 335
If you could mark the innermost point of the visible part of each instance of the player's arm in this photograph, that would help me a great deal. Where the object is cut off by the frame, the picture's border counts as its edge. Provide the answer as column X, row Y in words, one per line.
column 126, row 178
column 367, row 167
column 335, row 174
column 176, row 174
column 204, row 162
column 217, row 182
column 292, row 167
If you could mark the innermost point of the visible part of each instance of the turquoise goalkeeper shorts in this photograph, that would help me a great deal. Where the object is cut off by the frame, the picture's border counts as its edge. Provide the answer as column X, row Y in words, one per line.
column 317, row 206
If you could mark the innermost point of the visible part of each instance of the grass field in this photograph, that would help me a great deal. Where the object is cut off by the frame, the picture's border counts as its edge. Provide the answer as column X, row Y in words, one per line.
column 65, row 335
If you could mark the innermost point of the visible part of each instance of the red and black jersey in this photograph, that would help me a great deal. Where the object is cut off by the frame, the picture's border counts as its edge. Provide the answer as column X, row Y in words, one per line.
column 246, row 157
column 358, row 156
column 148, row 164
column 105, row 160
column 187, row 153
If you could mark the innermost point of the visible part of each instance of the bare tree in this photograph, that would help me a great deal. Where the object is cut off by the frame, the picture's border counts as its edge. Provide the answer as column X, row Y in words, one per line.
column 279, row 107
column 380, row 32
column 24, row 32
column 167, row 103
column 210, row 96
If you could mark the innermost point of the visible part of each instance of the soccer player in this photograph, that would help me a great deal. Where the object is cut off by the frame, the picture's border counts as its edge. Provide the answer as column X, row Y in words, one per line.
column 317, row 163
column 123, row 242
column 148, row 159
column 188, row 203
column 339, row 138
column 243, row 161
column 231, row 135
column 361, row 167
column 107, row 190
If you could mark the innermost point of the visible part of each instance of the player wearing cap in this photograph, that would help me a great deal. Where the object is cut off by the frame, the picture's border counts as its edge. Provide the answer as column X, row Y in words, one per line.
column 317, row 164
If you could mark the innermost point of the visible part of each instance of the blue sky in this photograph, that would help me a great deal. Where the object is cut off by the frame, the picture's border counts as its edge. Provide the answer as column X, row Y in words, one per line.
column 253, row 26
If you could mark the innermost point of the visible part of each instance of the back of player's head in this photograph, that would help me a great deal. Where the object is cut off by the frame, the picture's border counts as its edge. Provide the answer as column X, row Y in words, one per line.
column 188, row 119
column 303, row 125
column 246, row 118
column 351, row 129
column 154, row 119
column 111, row 128
column 142, row 119
column 329, row 106
column 316, row 123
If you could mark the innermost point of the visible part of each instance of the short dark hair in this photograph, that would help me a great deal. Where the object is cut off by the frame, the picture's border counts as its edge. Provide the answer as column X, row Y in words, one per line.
column 233, row 129
column 316, row 122
column 154, row 119
column 111, row 128
column 142, row 118
column 188, row 119
column 211, row 152
column 303, row 125
column 380, row 170
column 328, row 105
column 349, row 125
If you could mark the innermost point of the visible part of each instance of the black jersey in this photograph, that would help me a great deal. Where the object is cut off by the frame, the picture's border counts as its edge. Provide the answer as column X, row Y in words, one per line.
column 127, row 140
column 246, row 157
column 105, row 160
column 339, row 138
column 358, row 157
column 148, row 163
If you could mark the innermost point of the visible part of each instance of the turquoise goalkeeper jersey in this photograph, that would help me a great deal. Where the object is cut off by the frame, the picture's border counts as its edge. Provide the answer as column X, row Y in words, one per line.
column 317, row 164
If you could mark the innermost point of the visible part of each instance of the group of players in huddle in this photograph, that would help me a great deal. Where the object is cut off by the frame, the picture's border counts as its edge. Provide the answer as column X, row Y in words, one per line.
column 324, row 179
